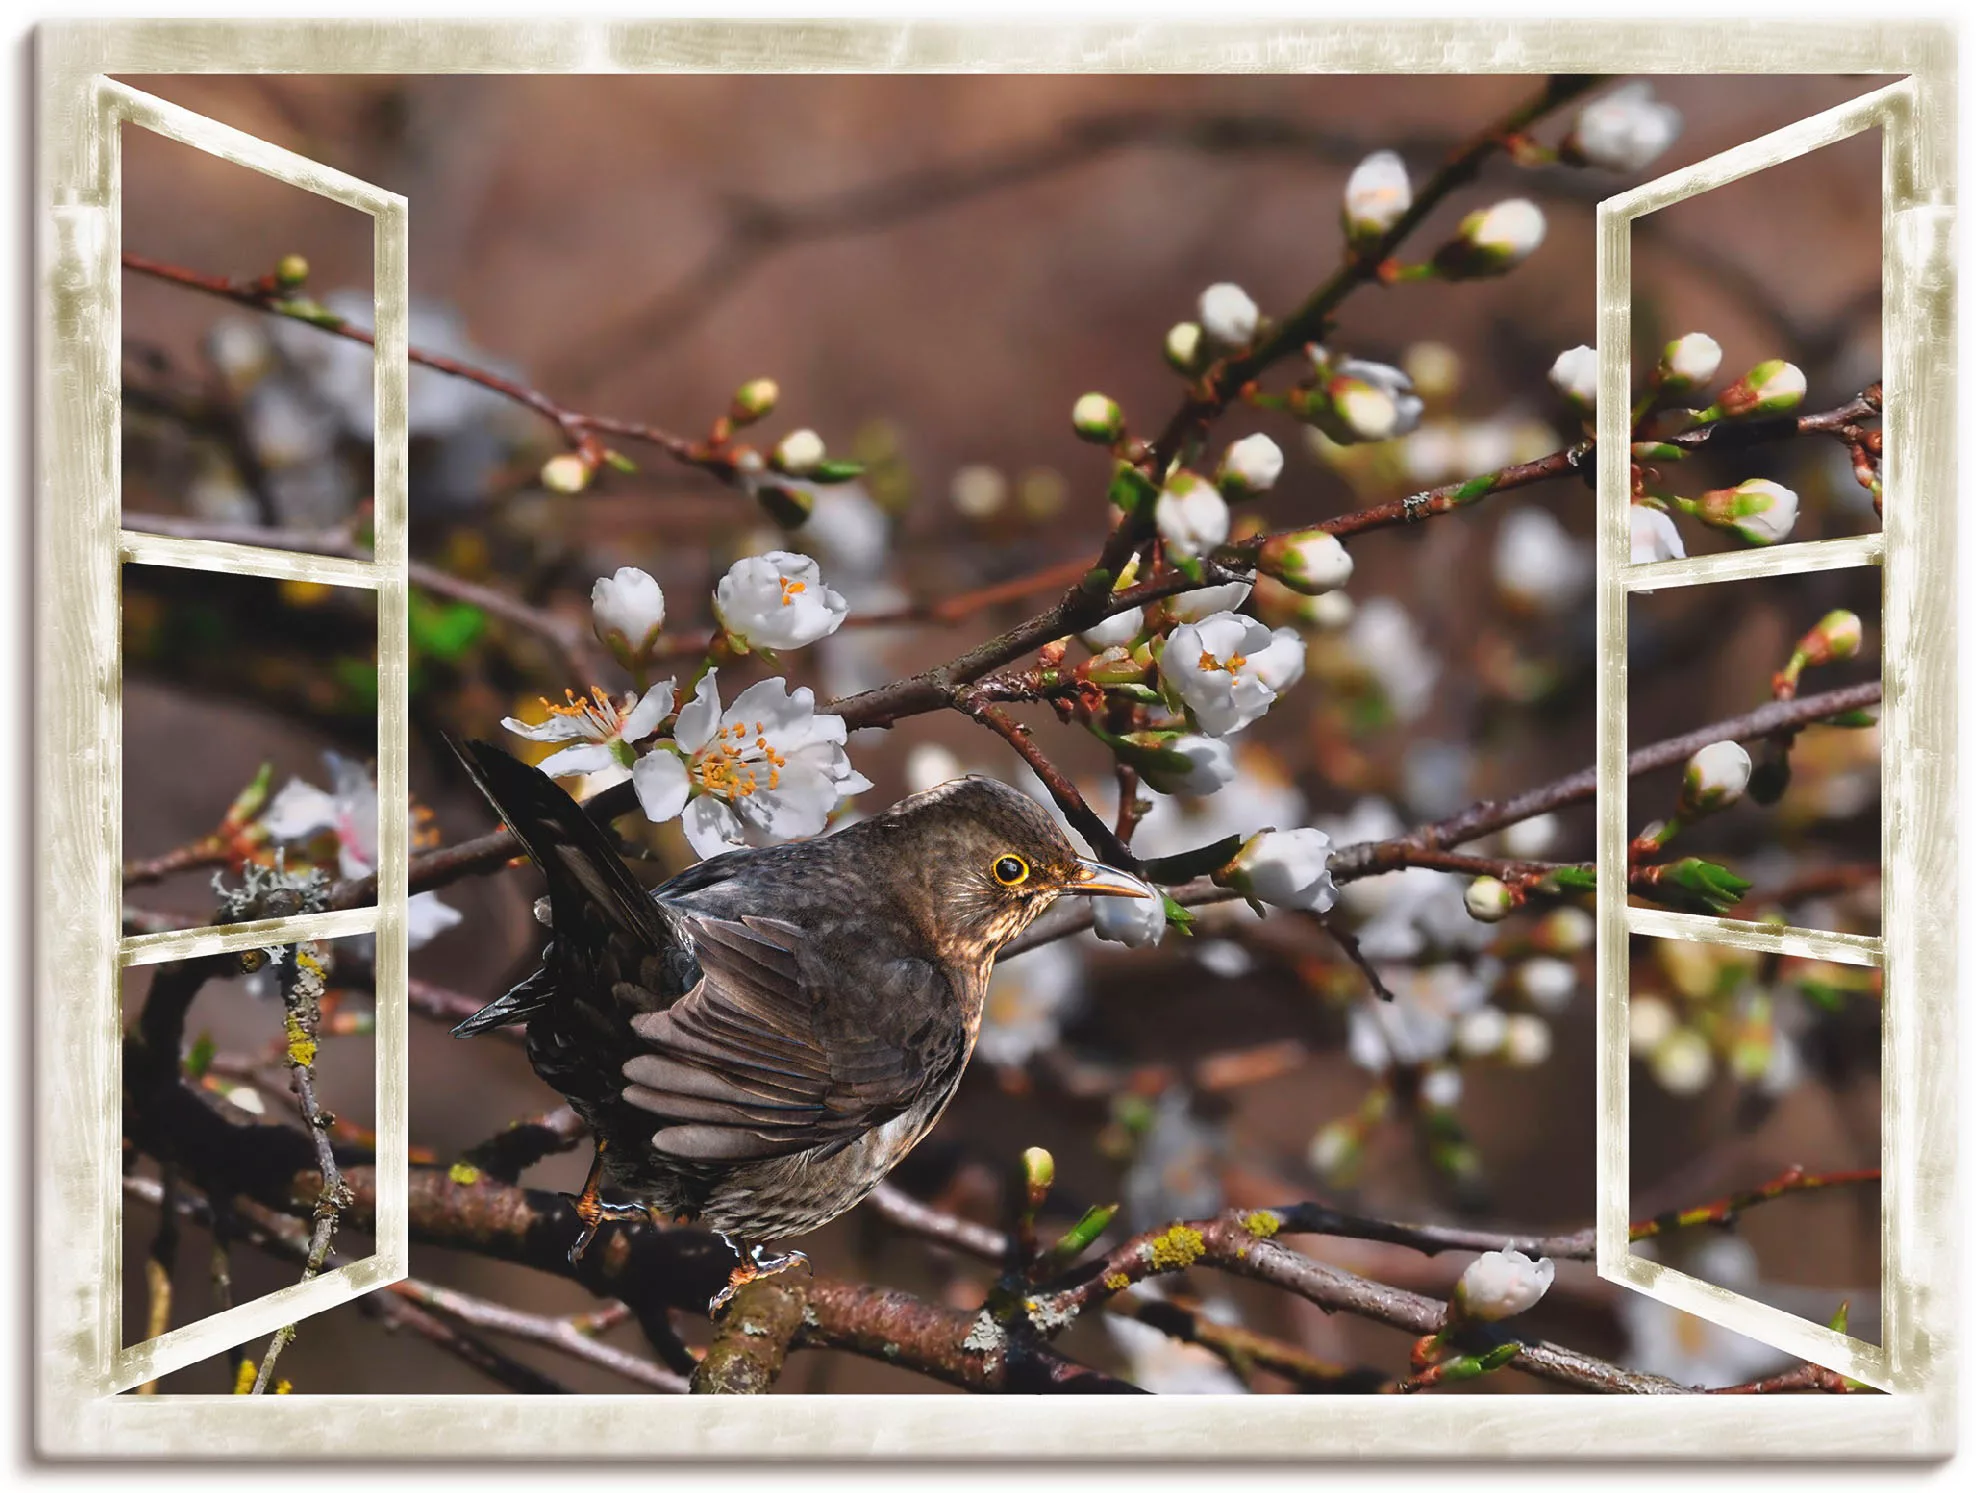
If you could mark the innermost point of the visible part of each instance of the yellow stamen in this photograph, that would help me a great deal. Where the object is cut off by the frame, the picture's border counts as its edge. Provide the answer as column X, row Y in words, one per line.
column 790, row 588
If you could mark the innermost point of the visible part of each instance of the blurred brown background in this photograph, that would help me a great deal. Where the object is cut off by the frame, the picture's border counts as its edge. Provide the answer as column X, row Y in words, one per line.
column 933, row 269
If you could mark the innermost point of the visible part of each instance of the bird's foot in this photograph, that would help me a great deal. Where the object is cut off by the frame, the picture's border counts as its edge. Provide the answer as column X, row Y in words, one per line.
column 755, row 1265
column 592, row 1210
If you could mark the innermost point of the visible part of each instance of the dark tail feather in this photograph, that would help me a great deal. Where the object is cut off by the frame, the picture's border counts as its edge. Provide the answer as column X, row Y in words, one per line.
column 588, row 881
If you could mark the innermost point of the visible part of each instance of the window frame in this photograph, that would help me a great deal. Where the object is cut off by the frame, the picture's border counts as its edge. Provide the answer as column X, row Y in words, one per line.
column 79, row 549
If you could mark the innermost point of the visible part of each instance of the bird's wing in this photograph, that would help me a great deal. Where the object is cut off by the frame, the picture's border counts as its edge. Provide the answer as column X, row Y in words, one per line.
column 761, row 1059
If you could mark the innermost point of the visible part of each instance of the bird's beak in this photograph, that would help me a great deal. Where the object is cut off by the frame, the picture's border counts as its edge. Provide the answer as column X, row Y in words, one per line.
column 1095, row 880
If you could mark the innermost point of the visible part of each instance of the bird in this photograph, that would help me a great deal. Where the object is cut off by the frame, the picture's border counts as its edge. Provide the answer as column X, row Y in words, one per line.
column 758, row 1041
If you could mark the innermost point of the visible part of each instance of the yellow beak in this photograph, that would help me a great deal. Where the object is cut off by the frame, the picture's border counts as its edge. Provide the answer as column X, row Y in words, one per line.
column 1095, row 880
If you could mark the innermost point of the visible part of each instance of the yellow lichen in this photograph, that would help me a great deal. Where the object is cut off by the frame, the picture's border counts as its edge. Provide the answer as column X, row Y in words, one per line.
column 1116, row 1281
column 302, row 1046
column 464, row 1173
column 1178, row 1248
column 1262, row 1224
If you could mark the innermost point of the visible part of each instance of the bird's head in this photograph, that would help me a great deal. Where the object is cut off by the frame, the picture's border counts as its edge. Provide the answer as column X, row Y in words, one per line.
column 993, row 859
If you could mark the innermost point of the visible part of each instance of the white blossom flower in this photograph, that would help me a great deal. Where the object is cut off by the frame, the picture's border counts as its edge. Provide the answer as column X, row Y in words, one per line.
column 1191, row 516
column 1250, row 466
column 1575, row 373
column 1134, row 921
column 1537, row 565
column 1529, row 1040
column 1547, row 982
column 1651, row 1020
column 300, row 812
column 1164, row 1365
column 603, row 731
column 1095, row 417
column 1690, row 362
column 1194, row 765
column 627, row 611
column 1204, row 601
column 1116, row 631
column 1384, row 637
column 768, row 768
column 1364, row 401
column 1759, row 510
column 1031, row 995
column 1311, row 561
column 1488, row 899
column 1531, row 839
column 1421, row 1023
column 930, row 766
column 1377, row 195
column 1480, row 1033
column 1715, row 777
column 1227, row 314
column 777, row 601
column 799, row 453
column 1442, row 1087
column 1770, row 388
column 1652, row 535
column 1228, row 669
column 1625, row 130
column 1289, row 868
column 1682, row 1062
column 1493, row 239
column 1183, row 347
column 1501, row 1283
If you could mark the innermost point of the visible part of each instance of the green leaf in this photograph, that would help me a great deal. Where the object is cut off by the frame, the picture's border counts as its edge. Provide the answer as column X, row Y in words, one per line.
column 1075, row 1240
column 1569, row 879
column 1695, row 885
column 1180, row 918
column 618, row 461
column 200, row 1057
column 1174, row 870
column 1131, row 490
column 447, row 630
column 829, row 472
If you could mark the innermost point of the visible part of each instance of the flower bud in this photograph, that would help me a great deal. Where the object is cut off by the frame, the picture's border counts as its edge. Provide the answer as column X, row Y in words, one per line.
column 1714, row 778
column 1565, row 930
column 1183, row 347
column 1500, row 1284
column 1360, row 401
column 1759, row 510
column 1771, row 388
column 798, row 453
column 1287, row 868
column 1492, row 240
column 566, row 472
column 1040, row 1171
column 753, row 401
column 1228, row 315
column 1622, row 131
column 1682, row 1062
column 1652, row 535
column 1441, row 1087
column 1250, row 467
column 627, row 611
column 1192, row 765
column 1377, row 196
column 1838, row 635
column 1529, row 1040
column 1574, row 374
column 291, row 270
column 1311, row 561
column 1689, row 363
column 1098, row 419
column 1137, row 922
column 1488, row 899
column 1191, row 516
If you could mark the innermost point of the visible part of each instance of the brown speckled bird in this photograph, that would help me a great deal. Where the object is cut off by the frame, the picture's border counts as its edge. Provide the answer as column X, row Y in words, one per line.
column 759, row 1041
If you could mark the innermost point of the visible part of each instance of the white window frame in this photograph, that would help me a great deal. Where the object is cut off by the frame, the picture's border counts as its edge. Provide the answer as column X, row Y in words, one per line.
column 83, row 952
column 1915, row 549
column 79, row 548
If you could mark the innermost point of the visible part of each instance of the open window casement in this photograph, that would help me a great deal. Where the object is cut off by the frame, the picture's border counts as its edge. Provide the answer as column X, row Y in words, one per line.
column 79, row 793
column 1915, row 551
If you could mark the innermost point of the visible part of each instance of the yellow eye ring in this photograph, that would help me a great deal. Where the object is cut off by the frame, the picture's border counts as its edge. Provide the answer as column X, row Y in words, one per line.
column 1010, row 870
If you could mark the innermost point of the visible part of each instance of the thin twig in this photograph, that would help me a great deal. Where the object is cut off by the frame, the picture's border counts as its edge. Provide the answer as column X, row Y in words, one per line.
column 560, row 1333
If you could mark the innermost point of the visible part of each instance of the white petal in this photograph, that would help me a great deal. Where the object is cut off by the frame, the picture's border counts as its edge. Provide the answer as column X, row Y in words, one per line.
column 712, row 827
column 427, row 917
column 696, row 726
column 299, row 811
column 557, row 728
column 646, row 716
column 661, row 781
column 575, row 761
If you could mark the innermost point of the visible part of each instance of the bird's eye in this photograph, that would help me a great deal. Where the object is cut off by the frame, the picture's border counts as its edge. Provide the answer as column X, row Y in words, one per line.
column 1010, row 870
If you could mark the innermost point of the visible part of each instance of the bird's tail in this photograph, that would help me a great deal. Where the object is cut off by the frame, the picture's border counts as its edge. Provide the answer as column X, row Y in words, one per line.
column 588, row 882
